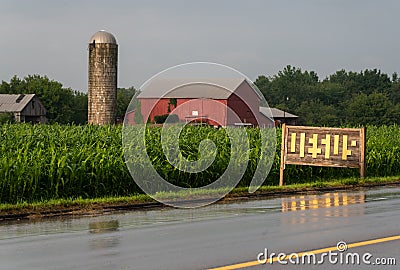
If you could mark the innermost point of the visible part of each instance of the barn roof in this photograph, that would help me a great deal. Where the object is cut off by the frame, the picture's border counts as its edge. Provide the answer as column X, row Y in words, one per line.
column 14, row 103
column 276, row 113
column 214, row 88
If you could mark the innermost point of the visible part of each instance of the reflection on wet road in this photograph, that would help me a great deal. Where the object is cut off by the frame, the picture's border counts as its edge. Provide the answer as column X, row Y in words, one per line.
column 201, row 238
column 326, row 200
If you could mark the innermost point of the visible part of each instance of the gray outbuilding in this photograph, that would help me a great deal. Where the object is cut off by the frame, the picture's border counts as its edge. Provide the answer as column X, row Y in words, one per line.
column 280, row 116
column 23, row 108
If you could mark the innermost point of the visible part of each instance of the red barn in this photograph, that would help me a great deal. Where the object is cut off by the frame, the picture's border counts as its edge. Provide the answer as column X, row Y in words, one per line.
column 216, row 102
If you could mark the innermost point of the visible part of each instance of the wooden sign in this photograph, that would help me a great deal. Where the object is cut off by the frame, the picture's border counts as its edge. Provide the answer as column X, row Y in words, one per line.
column 320, row 146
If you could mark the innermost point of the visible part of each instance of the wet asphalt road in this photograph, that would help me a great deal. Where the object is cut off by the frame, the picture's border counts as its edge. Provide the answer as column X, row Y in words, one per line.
column 213, row 236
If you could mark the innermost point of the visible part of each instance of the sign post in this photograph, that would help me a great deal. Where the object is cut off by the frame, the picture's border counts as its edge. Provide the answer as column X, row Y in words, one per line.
column 321, row 146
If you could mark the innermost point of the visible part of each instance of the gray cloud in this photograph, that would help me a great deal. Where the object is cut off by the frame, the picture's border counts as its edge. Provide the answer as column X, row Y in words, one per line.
column 255, row 37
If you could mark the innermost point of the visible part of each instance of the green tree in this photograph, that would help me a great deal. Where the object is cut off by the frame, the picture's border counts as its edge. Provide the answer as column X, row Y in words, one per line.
column 263, row 84
column 367, row 81
column 373, row 109
column 291, row 82
column 63, row 105
column 124, row 97
column 6, row 118
column 343, row 98
column 394, row 93
column 316, row 113
column 80, row 114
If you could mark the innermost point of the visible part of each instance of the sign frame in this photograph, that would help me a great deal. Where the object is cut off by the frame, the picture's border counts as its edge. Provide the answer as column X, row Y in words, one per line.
column 333, row 148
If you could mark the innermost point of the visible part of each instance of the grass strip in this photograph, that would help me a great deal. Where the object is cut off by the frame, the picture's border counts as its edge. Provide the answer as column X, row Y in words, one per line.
column 80, row 206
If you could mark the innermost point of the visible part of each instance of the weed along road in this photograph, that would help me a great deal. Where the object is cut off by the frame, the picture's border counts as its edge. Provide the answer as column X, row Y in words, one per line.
column 222, row 236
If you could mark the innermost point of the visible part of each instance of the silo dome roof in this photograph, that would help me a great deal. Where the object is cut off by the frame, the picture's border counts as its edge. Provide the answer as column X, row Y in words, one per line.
column 103, row 37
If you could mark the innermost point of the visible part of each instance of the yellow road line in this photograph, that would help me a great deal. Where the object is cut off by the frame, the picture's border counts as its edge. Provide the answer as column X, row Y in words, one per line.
column 316, row 251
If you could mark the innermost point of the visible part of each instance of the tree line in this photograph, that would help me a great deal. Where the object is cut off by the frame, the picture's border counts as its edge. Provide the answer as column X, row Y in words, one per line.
column 345, row 98
column 64, row 105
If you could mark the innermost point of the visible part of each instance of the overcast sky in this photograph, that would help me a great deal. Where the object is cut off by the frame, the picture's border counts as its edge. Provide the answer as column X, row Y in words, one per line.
column 49, row 37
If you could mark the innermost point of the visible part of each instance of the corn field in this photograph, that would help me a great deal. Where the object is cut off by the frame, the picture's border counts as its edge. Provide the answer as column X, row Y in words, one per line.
column 41, row 162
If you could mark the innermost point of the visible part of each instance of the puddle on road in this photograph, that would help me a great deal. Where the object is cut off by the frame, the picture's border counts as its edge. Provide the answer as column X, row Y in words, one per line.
column 104, row 226
column 327, row 204
column 109, row 224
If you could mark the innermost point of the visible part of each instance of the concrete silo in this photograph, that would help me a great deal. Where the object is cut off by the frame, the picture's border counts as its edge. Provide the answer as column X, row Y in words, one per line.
column 102, row 85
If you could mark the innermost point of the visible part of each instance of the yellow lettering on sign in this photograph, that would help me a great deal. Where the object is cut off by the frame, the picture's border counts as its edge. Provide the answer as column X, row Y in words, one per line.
column 314, row 150
column 293, row 143
column 336, row 145
column 345, row 151
column 302, row 143
column 327, row 143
